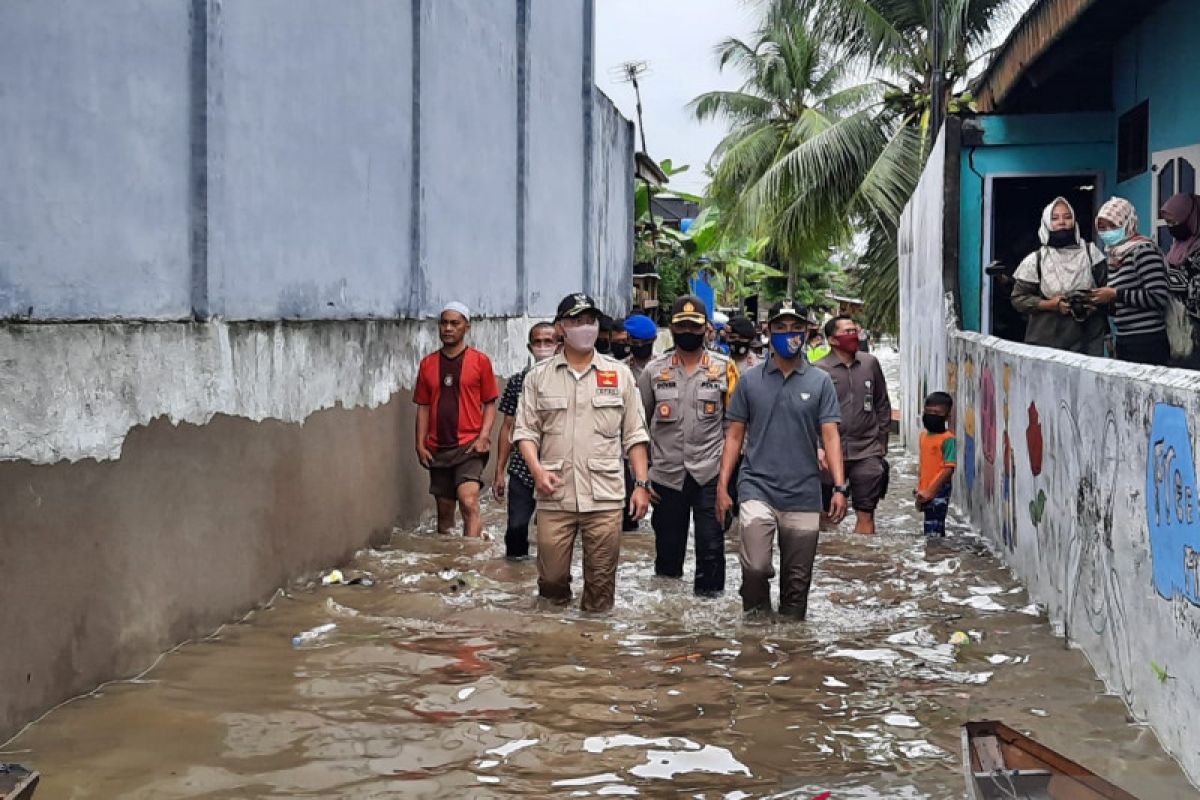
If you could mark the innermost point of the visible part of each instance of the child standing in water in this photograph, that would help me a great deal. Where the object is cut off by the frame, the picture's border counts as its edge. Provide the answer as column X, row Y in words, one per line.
column 939, row 456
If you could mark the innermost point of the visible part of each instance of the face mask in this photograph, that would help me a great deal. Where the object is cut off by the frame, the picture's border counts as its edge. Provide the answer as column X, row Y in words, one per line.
column 642, row 351
column 1113, row 238
column 846, row 342
column 1061, row 238
column 739, row 349
column 688, row 342
column 603, row 346
column 542, row 351
column 787, row 345
column 582, row 338
column 620, row 350
column 934, row 423
column 1181, row 232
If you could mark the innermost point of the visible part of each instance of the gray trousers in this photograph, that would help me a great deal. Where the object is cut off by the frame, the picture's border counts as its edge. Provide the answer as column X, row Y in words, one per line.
column 798, row 532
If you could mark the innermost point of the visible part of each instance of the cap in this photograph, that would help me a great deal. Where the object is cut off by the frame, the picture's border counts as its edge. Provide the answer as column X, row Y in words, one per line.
column 742, row 327
column 640, row 327
column 788, row 308
column 458, row 307
column 575, row 304
column 689, row 308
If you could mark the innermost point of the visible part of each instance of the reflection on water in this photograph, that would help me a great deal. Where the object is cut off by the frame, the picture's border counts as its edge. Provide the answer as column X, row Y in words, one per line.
column 445, row 679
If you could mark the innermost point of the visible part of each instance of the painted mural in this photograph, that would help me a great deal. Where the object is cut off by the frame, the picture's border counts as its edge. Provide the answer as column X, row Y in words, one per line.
column 1171, row 505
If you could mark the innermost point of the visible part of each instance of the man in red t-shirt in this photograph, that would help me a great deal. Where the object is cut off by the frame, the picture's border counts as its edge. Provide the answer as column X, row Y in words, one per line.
column 456, row 407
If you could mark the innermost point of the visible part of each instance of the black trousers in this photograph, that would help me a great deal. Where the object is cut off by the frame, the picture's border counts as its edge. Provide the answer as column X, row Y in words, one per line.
column 521, row 503
column 1150, row 348
column 695, row 504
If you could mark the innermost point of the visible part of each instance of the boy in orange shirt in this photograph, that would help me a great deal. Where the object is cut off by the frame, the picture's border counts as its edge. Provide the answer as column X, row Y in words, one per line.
column 939, row 456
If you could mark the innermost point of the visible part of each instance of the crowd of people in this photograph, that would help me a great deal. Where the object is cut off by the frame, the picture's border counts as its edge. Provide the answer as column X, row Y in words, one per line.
column 732, row 421
column 1129, row 300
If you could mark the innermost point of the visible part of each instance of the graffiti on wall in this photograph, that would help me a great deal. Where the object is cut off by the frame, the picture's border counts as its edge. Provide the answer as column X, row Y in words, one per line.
column 1008, row 522
column 967, row 460
column 1172, row 512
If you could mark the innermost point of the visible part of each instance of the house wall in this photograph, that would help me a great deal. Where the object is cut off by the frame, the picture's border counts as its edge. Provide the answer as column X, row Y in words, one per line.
column 224, row 228
column 1022, row 145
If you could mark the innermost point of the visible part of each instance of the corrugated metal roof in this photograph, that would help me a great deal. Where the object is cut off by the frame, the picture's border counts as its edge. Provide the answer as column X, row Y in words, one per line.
column 1040, row 27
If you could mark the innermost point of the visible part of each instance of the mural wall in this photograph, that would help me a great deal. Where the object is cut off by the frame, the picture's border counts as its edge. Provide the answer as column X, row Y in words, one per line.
column 1082, row 474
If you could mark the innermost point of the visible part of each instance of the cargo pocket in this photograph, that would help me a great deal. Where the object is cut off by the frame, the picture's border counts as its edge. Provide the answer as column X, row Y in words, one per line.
column 555, row 468
column 553, row 413
column 666, row 411
column 608, row 411
column 608, row 479
column 708, row 404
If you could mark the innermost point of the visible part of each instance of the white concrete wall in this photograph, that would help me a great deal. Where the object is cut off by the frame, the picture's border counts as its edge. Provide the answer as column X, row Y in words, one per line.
column 72, row 392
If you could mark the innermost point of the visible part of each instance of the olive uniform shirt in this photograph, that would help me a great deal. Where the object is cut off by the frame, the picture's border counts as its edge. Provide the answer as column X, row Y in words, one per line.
column 866, row 410
column 582, row 426
column 687, row 416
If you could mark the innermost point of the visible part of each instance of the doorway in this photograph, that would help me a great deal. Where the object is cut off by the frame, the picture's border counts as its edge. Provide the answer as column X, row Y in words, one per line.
column 1013, row 213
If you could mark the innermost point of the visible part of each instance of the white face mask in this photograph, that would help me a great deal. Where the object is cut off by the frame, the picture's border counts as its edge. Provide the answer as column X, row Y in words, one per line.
column 542, row 351
column 583, row 337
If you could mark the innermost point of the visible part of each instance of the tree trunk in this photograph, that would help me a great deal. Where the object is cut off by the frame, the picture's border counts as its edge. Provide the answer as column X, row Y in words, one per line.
column 791, row 284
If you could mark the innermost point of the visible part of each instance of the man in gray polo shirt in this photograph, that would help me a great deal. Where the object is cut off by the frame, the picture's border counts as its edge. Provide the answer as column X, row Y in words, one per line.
column 782, row 412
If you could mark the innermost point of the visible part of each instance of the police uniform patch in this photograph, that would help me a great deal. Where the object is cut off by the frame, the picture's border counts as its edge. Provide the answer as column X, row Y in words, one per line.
column 714, row 371
column 664, row 410
column 710, row 407
column 665, row 375
column 606, row 379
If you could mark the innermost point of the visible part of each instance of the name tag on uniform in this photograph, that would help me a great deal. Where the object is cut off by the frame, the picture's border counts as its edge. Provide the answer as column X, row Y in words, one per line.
column 606, row 379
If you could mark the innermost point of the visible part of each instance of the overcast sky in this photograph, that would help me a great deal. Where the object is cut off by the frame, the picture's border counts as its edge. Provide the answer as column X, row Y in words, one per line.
column 677, row 38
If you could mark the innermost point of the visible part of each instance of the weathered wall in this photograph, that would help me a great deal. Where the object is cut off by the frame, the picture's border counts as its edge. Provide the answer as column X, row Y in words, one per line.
column 333, row 159
column 1082, row 473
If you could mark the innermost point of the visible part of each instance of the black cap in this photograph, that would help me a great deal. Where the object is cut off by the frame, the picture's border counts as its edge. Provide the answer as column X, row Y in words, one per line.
column 788, row 308
column 575, row 304
column 689, row 308
column 742, row 327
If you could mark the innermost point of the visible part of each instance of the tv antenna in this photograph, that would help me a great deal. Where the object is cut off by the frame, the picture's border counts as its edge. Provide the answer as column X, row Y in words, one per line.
column 629, row 72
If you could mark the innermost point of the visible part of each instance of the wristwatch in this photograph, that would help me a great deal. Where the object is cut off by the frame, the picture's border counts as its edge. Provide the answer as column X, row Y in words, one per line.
column 642, row 485
column 842, row 489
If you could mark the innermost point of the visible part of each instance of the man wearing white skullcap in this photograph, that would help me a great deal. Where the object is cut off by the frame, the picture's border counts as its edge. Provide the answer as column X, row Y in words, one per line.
column 456, row 407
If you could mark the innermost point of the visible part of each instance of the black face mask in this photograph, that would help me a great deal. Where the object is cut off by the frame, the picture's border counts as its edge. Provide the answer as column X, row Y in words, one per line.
column 1181, row 232
column 934, row 423
column 688, row 342
column 620, row 350
column 642, row 351
column 739, row 349
column 1062, row 239
column 603, row 346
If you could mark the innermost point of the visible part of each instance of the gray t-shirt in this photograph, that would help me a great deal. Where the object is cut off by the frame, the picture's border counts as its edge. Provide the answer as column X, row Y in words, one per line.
column 783, row 418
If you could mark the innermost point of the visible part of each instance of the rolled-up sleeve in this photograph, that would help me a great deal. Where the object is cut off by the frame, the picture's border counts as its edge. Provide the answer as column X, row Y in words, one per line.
column 528, row 425
column 633, row 427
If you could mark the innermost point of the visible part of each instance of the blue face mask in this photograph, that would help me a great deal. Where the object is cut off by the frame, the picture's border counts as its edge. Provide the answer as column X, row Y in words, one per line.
column 1114, row 237
column 788, row 345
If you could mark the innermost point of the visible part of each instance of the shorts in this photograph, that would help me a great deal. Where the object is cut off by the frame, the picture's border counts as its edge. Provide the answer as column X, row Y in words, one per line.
column 454, row 466
column 868, row 479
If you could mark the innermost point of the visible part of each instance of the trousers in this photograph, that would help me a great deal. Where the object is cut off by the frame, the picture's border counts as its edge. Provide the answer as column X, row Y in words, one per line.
column 556, row 534
column 521, row 504
column 798, row 532
column 694, row 504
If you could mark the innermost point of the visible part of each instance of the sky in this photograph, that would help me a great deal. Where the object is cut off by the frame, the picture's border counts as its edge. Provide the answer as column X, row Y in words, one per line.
column 677, row 38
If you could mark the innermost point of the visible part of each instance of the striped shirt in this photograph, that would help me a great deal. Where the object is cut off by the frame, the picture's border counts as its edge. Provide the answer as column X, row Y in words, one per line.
column 1142, row 291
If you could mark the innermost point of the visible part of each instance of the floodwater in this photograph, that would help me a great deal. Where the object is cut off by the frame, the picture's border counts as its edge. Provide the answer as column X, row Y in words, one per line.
column 446, row 679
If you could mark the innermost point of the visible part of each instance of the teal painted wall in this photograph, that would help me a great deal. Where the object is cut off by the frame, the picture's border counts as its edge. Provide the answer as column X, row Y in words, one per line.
column 1147, row 64
column 1022, row 145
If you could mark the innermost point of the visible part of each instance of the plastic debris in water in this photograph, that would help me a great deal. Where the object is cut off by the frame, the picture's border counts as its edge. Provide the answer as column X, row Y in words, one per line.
column 332, row 577
column 959, row 638
column 312, row 634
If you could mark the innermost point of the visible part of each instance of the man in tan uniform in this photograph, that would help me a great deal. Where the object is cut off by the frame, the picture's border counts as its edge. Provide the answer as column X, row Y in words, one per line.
column 579, row 414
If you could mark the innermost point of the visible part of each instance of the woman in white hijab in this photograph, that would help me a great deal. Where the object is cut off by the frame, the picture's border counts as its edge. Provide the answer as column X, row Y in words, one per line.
column 1053, row 282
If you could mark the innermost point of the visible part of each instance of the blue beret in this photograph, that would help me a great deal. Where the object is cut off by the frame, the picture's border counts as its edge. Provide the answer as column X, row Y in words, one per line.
column 639, row 326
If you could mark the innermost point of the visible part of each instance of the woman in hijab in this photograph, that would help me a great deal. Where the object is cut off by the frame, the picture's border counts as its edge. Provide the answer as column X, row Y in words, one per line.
column 1052, row 283
column 1182, row 215
column 1137, row 286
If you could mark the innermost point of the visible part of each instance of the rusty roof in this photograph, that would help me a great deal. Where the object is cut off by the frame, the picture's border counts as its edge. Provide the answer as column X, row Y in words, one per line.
column 1041, row 26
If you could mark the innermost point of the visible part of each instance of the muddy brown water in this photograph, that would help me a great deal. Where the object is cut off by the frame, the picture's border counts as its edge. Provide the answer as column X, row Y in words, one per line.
column 446, row 679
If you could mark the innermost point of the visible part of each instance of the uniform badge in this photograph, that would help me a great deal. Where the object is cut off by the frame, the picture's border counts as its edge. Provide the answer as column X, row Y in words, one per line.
column 714, row 371
column 606, row 379
column 710, row 407
column 664, row 410
column 665, row 375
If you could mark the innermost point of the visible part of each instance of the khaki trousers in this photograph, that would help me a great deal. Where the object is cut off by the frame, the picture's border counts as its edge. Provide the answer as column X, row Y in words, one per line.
column 601, row 531
column 798, row 532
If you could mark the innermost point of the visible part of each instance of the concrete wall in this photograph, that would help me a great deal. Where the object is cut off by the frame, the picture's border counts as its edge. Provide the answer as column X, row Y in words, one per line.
column 1082, row 473
column 332, row 159
column 1023, row 145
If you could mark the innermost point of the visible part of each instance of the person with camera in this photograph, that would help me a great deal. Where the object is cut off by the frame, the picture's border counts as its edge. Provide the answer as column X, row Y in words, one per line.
column 1052, row 286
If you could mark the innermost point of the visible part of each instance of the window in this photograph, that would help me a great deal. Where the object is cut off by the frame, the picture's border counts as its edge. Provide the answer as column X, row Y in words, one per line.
column 1176, row 172
column 1133, row 142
